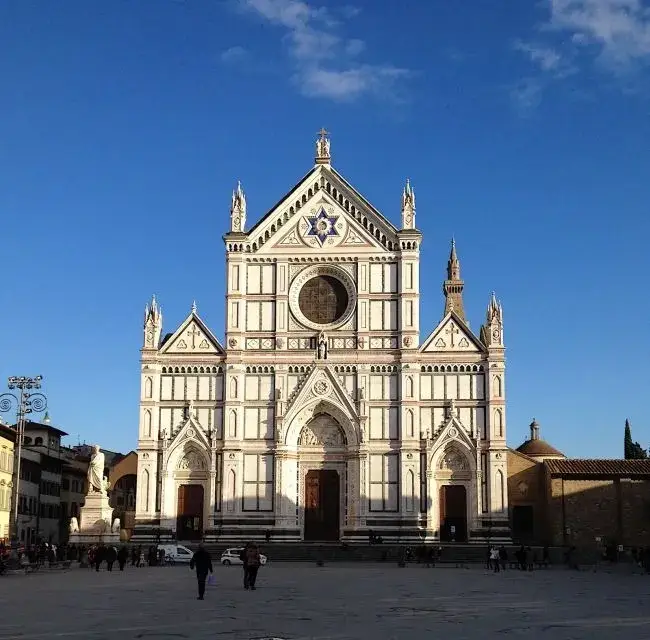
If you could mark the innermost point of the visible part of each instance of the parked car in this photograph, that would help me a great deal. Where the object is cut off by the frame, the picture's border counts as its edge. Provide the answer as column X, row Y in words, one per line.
column 177, row 552
column 231, row 556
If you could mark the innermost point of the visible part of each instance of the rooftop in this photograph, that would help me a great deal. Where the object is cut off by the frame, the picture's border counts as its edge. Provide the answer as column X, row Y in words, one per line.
column 595, row 467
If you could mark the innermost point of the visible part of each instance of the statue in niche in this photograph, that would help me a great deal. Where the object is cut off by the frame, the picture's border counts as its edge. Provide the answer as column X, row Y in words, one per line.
column 322, row 346
column 74, row 525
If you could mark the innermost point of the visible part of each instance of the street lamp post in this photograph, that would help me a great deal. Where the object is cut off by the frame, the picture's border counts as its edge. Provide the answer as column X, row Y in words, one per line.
column 27, row 402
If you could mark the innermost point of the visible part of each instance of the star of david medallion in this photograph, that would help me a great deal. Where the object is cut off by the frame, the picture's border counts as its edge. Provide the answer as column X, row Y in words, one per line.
column 322, row 226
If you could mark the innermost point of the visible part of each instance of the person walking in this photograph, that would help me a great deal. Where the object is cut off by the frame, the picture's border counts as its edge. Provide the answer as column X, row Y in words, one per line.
column 494, row 559
column 122, row 556
column 111, row 557
column 251, row 565
column 202, row 561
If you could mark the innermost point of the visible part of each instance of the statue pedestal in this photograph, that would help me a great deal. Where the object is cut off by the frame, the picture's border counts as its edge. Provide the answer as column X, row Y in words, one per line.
column 95, row 522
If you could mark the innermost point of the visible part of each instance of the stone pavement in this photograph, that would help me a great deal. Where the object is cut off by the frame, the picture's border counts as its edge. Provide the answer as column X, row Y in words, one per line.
column 335, row 602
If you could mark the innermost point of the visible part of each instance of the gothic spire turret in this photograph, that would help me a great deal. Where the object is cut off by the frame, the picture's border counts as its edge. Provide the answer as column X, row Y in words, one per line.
column 408, row 206
column 453, row 285
column 152, row 324
column 323, row 155
column 492, row 330
column 238, row 210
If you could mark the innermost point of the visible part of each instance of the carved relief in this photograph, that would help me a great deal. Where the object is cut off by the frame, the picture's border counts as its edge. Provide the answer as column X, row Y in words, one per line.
column 322, row 431
column 192, row 461
column 453, row 461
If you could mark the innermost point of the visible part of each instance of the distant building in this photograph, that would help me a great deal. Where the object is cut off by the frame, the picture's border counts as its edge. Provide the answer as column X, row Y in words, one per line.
column 560, row 501
column 40, row 483
column 123, row 476
column 7, row 441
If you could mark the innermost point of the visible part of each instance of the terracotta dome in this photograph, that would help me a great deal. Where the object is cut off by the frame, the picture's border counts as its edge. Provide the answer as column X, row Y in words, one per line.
column 537, row 448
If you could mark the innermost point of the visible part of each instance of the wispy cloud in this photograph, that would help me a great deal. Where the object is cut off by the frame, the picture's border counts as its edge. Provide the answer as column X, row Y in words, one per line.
column 610, row 36
column 326, row 65
column 233, row 54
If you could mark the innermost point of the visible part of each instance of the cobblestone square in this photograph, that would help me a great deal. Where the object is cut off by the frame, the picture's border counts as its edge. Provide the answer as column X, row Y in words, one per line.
column 335, row 602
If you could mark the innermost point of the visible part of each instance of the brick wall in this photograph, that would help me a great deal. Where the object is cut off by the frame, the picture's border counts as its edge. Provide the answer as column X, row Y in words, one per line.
column 615, row 509
column 526, row 487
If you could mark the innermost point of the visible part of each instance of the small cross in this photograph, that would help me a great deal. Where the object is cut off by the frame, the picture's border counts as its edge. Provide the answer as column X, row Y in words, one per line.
column 322, row 133
column 193, row 332
column 450, row 331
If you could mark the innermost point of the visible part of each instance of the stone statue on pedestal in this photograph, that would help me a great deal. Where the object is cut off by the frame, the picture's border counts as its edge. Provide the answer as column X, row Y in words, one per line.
column 96, row 471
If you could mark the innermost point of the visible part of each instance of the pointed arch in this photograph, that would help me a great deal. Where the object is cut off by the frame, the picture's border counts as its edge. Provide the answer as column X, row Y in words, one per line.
column 410, row 423
column 409, row 490
column 146, row 423
column 499, row 489
column 497, row 387
column 145, row 491
column 148, row 388
column 233, row 387
column 498, row 423
column 231, row 491
column 408, row 383
column 232, row 424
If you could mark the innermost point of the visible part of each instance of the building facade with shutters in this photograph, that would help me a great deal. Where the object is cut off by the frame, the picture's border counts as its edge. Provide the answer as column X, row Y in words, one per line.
column 327, row 413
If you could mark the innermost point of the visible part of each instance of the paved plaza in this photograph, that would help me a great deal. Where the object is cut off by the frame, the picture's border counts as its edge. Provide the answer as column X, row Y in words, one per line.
column 334, row 602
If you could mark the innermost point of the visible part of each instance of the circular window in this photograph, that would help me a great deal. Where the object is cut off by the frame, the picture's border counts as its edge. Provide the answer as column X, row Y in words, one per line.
column 323, row 299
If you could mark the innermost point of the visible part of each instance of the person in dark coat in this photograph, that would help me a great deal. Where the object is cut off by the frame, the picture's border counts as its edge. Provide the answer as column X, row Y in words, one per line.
column 111, row 557
column 122, row 556
column 202, row 562
column 100, row 555
column 250, row 556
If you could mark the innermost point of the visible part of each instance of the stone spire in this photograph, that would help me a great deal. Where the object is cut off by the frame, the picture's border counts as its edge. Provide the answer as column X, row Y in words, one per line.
column 152, row 324
column 408, row 206
column 323, row 155
column 238, row 210
column 453, row 285
column 194, row 306
column 492, row 330
column 534, row 430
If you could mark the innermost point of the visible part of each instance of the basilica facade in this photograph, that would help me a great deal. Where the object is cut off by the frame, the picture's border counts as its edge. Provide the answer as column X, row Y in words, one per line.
column 327, row 413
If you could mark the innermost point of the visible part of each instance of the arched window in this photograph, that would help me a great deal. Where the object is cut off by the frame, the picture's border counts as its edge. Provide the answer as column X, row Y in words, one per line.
column 499, row 489
column 409, row 423
column 410, row 490
column 145, row 490
column 146, row 423
column 232, row 425
column 148, row 388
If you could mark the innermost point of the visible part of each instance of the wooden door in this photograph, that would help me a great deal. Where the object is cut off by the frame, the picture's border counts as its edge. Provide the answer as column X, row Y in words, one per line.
column 453, row 513
column 322, row 504
column 189, row 512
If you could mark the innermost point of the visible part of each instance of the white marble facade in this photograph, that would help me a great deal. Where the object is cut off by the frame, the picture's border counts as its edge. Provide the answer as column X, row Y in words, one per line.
column 324, row 368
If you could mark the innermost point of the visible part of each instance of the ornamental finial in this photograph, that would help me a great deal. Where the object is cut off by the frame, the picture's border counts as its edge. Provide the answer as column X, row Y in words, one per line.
column 323, row 155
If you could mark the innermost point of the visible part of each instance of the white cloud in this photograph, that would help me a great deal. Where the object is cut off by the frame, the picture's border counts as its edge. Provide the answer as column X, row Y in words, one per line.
column 527, row 95
column 619, row 30
column 233, row 54
column 612, row 36
column 325, row 62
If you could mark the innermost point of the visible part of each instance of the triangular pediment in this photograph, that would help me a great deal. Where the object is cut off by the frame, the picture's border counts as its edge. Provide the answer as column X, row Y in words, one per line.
column 192, row 337
column 323, row 385
column 191, row 433
column 323, row 212
column 453, row 432
column 452, row 335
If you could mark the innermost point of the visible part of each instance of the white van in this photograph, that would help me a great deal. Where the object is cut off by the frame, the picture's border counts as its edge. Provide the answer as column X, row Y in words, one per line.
column 177, row 552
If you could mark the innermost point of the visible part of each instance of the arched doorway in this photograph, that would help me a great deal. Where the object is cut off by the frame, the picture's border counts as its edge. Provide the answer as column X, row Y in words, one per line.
column 453, row 513
column 322, row 446
column 453, row 475
column 189, row 512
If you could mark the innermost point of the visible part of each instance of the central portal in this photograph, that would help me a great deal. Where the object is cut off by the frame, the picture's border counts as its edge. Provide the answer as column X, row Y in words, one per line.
column 322, row 502
column 189, row 521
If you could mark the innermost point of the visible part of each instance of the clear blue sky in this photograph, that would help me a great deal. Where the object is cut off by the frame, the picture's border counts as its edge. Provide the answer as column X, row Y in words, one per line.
column 523, row 126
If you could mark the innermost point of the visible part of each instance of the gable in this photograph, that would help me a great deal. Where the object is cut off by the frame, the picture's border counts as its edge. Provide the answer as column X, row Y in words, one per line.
column 323, row 212
column 320, row 385
column 192, row 337
column 452, row 335
column 189, row 434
